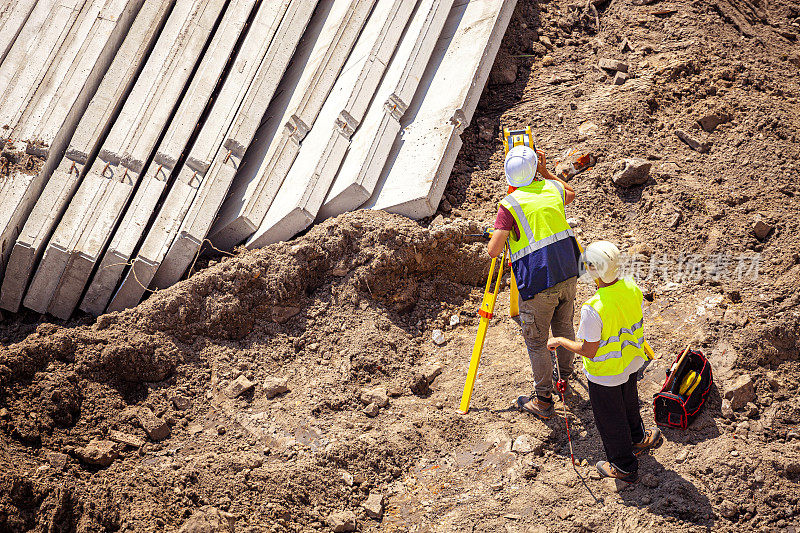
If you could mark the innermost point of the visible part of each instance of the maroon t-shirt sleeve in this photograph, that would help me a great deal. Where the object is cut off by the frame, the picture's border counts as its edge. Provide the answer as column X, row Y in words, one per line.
column 505, row 221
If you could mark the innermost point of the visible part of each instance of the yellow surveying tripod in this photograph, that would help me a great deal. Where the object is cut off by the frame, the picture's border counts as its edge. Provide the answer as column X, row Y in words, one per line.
column 511, row 138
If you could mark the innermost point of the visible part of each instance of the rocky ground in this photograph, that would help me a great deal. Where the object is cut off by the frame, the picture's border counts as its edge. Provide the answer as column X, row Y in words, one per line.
column 298, row 387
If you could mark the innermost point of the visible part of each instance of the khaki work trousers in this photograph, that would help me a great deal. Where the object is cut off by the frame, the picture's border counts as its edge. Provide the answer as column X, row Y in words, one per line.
column 552, row 308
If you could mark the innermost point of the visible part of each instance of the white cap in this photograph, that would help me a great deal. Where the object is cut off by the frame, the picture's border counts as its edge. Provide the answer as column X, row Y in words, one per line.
column 520, row 166
column 602, row 259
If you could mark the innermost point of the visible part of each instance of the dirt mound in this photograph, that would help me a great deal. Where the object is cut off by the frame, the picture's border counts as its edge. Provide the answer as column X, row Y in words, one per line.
column 255, row 313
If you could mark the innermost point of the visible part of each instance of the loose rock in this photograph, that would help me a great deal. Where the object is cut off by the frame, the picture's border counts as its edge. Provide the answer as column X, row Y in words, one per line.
column 761, row 229
column 503, row 73
column 154, row 426
column 740, row 392
column 275, row 387
column 527, row 444
column 372, row 410
column 692, row 143
column 181, row 402
column 98, row 452
column 342, row 521
column 377, row 396
column 419, row 384
column 347, row 477
column 431, row 372
column 614, row 485
column 238, row 387
column 57, row 460
column 612, row 64
column 710, row 122
column 632, row 172
column 124, row 438
column 727, row 410
column 620, row 78
column 438, row 337
column 374, row 505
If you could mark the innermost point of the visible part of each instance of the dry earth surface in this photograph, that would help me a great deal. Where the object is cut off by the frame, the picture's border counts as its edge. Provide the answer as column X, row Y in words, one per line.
column 297, row 388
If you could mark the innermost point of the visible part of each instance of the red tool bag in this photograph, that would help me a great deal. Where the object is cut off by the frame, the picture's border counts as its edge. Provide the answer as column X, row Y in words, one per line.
column 675, row 409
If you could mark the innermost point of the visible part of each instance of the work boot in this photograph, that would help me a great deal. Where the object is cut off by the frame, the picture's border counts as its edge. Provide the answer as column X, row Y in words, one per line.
column 539, row 407
column 652, row 438
column 606, row 469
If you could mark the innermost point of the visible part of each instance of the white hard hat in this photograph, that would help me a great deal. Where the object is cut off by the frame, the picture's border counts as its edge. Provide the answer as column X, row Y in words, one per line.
column 602, row 259
column 520, row 166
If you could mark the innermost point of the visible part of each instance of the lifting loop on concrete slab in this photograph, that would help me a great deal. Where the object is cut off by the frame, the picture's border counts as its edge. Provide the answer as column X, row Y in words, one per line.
column 158, row 171
column 191, row 180
column 105, row 168
column 74, row 167
column 6, row 165
column 225, row 161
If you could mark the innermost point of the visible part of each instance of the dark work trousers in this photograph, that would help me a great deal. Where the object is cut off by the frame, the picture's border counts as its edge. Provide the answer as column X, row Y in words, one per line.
column 616, row 414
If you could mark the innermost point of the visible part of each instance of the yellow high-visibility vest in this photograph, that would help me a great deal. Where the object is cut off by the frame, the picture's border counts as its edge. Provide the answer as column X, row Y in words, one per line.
column 546, row 252
column 622, row 338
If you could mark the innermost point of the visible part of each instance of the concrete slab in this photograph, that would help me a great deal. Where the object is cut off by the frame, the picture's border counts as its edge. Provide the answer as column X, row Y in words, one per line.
column 65, row 92
column 89, row 49
column 243, row 132
column 296, row 204
column 370, row 145
column 14, row 60
column 254, row 50
column 140, row 143
column 249, row 200
column 160, row 82
column 422, row 157
column 181, row 127
column 53, row 261
column 13, row 16
column 92, row 128
column 21, row 73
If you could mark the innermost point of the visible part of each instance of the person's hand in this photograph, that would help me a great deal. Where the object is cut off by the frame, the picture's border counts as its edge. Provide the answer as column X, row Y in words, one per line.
column 553, row 343
column 541, row 167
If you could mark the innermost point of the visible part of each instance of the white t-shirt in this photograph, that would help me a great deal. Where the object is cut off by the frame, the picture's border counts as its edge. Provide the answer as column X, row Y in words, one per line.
column 591, row 329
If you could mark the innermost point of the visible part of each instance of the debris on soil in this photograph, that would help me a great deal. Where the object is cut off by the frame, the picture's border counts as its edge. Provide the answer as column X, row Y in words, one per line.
column 98, row 452
column 275, row 387
column 631, row 172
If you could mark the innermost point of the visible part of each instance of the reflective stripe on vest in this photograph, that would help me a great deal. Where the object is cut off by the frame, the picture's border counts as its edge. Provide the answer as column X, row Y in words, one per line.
column 546, row 252
column 622, row 338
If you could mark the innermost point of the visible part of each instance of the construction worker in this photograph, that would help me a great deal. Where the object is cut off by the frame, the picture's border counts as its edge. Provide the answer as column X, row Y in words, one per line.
column 611, row 340
column 544, row 260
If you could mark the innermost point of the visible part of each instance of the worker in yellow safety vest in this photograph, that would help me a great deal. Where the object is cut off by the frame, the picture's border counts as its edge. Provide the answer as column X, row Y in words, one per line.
column 544, row 260
column 611, row 340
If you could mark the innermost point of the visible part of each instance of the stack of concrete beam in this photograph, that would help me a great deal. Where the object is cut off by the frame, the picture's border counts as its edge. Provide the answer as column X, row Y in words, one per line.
column 309, row 82
column 423, row 156
column 221, row 121
column 192, row 204
column 172, row 146
column 297, row 200
column 369, row 149
column 90, row 219
column 43, row 122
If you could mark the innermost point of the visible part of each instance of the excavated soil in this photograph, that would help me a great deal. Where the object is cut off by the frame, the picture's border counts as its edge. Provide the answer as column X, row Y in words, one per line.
column 174, row 415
